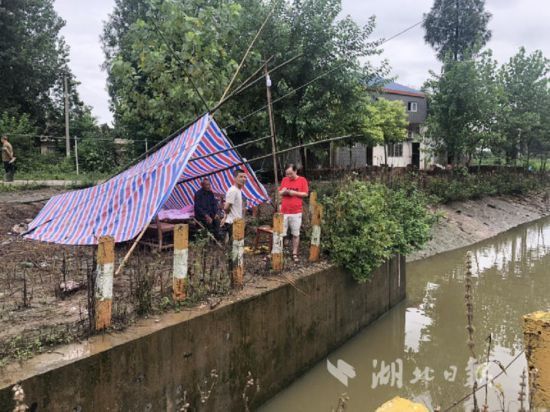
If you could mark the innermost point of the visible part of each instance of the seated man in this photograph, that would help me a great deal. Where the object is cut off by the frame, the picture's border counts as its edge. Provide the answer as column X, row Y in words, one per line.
column 206, row 208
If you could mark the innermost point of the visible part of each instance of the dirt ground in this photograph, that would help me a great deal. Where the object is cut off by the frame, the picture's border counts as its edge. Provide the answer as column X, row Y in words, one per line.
column 467, row 222
column 37, row 313
column 45, row 288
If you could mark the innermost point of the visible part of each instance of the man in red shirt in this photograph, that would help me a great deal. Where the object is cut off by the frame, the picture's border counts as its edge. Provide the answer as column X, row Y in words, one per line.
column 293, row 189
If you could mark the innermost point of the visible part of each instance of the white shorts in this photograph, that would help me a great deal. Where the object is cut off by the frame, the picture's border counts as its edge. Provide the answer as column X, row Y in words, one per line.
column 293, row 221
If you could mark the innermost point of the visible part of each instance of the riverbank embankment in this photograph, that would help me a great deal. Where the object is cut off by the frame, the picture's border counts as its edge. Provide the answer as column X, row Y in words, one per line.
column 464, row 223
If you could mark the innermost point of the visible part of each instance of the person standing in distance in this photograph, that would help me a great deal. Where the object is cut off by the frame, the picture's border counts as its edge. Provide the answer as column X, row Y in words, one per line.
column 293, row 189
column 8, row 158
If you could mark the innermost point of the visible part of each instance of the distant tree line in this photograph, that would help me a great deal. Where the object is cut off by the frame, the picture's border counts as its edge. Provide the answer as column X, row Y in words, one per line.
column 478, row 107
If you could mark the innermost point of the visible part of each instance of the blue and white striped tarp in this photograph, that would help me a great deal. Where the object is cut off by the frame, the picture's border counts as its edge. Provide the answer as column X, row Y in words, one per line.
column 167, row 179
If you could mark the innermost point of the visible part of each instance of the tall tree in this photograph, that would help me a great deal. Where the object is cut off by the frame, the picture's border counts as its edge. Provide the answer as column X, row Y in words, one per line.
column 457, row 28
column 151, row 63
column 465, row 101
column 31, row 55
column 34, row 59
column 526, row 86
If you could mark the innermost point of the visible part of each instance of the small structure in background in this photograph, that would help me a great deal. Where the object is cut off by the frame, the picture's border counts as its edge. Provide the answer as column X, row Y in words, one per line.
column 415, row 151
column 47, row 145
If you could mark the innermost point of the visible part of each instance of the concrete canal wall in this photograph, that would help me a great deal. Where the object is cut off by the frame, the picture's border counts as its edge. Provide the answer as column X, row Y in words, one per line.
column 276, row 334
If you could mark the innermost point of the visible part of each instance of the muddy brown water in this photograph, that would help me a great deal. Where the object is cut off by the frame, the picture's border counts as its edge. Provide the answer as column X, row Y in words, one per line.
column 418, row 350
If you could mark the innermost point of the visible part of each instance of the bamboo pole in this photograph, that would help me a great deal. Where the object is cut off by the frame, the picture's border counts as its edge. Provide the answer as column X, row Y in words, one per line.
column 129, row 253
column 272, row 129
column 104, row 282
column 273, row 139
column 237, row 254
column 233, row 147
column 180, row 264
column 277, row 248
column 332, row 139
column 245, row 84
column 315, row 248
column 246, row 55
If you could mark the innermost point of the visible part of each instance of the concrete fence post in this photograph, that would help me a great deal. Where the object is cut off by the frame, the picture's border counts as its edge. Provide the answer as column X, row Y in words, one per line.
column 181, row 259
column 316, row 219
column 237, row 253
column 536, row 335
column 277, row 248
column 312, row 202
column 104, row 282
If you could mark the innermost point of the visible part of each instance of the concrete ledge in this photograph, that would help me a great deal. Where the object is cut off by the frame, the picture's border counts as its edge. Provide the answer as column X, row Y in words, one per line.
column 276, row 334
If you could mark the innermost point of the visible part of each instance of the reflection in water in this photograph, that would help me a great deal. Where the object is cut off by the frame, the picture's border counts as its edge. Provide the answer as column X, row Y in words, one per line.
column 418, row 350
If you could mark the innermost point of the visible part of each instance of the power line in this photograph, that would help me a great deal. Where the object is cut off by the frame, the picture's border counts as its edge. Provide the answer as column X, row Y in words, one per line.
column 242, row 88
column 384, row 41
column 71, row 138
column 401, row 32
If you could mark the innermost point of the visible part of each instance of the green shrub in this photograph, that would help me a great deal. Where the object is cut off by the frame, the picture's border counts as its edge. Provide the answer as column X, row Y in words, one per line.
column 367, row 223
column 475, row 186
column 97, row 155
column 408, row 206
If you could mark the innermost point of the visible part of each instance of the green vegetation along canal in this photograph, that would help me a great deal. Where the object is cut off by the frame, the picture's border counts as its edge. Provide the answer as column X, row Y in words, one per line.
column 418, row 350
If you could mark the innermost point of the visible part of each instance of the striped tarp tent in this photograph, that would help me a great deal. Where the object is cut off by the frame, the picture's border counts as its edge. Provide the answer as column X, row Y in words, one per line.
column 168, row 179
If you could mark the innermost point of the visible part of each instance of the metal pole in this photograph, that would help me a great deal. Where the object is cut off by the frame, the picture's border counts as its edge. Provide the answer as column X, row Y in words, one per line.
column 67, row 137
column 146, row 148
column 272, row 127
column 76, row 152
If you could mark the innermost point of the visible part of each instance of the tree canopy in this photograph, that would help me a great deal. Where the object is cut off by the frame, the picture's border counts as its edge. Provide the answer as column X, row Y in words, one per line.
column 457, row 28
column 153, row 50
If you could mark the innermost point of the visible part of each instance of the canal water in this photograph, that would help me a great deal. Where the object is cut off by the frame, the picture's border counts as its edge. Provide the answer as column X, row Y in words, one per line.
column 418, row 349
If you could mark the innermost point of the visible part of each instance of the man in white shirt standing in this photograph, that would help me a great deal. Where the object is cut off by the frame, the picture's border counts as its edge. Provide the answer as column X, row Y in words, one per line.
column 233, row 206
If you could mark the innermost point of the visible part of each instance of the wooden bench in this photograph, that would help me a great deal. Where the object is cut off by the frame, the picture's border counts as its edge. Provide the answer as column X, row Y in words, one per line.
column 262, row 231
column 159, row 235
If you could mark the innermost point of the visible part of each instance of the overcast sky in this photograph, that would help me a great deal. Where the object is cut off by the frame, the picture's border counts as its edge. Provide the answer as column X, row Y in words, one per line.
column 514, row 23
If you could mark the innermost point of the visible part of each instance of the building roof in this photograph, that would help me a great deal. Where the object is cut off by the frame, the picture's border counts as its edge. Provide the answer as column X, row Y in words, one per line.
column 396, row 88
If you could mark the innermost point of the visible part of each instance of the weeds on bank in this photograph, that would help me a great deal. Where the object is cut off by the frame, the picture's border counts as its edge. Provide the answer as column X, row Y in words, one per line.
column 480, row 372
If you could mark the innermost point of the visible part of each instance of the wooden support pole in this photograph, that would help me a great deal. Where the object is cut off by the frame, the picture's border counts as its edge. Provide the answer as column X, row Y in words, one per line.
column 237, row 253
column 181, row 258
column 315, row 248
column 536, row 335
column 277, row 249
column 104, row 282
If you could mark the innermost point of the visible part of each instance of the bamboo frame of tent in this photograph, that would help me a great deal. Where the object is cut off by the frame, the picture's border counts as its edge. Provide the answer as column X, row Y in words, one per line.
column 245, row 161
column 211, row 111
column 273, row 137
column 246, row 54
column 231, row 148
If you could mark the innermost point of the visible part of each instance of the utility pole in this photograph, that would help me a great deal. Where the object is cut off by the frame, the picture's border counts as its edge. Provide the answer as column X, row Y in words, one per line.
column 76, row 153
column 272, row 128
column 67, row 137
